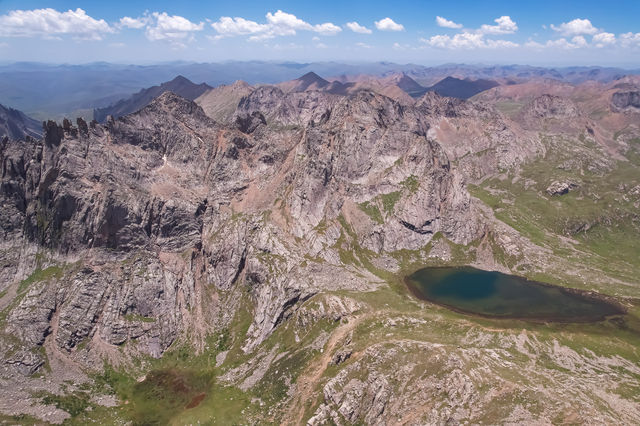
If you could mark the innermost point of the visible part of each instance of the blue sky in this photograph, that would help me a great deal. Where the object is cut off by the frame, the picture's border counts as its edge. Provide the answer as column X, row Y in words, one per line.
column 542, row 32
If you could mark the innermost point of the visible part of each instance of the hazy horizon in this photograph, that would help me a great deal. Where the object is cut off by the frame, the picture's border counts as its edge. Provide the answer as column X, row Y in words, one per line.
column 630, row 67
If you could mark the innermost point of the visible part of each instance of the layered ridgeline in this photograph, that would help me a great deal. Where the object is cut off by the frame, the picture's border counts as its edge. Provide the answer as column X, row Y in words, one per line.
column 179, row 85
column 167, row 266
column 15, row 124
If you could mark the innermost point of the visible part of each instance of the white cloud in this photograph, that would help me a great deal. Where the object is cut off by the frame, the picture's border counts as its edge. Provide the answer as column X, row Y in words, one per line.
column 442, row 22
column 278, row 24
column 630, row 39
column 575, row 27
column 387, row 24
column 136, row 23
column 363, row 45
column 505, row 26
column 473, row 39
column 603, row 39
column 357, row 28
column 49, row 23
column 227, row 26
column 576, row 42
column 562, row 43
column 283, row 23
column 174, row 29
column 466, row 40
column 579, row 41
column 327, row 28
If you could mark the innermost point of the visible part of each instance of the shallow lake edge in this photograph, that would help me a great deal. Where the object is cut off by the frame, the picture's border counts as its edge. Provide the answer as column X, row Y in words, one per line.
column 590, row 295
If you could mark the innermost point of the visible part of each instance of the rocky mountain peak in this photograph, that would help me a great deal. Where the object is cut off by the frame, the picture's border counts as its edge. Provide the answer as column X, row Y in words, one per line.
column 309, row 81
column 180, row 85
column 311, row 78
column 550, row 106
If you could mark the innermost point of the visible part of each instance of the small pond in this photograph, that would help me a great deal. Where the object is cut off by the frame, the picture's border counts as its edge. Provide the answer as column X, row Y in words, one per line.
column 493, row 294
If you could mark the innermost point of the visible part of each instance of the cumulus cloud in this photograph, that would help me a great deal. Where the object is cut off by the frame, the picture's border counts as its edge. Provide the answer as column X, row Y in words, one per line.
column 278, row 24
column 227, row 26
column 357, row 28
column 136, row 23
column 599, row 40
column 466, row 40
column 363, row 45
column 505, row 26
column 387, row 24
column 327, row 28
column 286, row 23
column 442, row 22
column 575, row 27
column 579, row 41
column 49, row 23
column 603, row 39
column 172, row 28
column 473, row 39
column 630, row 39
column 575, row 42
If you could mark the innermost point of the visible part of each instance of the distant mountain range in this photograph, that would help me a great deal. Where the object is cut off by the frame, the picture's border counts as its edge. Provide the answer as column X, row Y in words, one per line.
column 46, row 91
column 219, row 103
column 449, row 86
column 16, row 125
column 179, row 85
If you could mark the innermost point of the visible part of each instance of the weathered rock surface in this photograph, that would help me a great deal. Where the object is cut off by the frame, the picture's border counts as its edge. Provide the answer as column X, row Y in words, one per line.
column 629, row 100
column 476, row 137
column 15, row 124
column 560, row 188
column 164, row 225
column 221, row 102
column 550, row 106
column 153, row 220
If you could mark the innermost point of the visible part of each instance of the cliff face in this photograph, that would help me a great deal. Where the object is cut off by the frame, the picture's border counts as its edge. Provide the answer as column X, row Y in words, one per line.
column 628, row 100
column 15, row 124
column 263, row 249
column 146, row 226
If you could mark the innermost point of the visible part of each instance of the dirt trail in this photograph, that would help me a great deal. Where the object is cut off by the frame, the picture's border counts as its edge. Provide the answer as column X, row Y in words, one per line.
column 309, row 379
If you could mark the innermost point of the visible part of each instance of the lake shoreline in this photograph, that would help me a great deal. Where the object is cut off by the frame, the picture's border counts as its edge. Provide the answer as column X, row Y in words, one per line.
column 584, row 295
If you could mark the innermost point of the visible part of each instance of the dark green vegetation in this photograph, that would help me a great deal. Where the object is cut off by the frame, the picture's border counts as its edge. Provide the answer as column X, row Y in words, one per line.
column 507, row 296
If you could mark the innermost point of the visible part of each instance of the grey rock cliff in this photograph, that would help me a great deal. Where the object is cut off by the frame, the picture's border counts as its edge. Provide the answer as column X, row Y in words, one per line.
column 157, row 223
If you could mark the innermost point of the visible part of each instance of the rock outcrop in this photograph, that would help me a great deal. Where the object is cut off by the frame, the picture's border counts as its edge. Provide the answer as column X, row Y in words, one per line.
column 548, row 107
column 15, row 124
column 624, row 101
column 162, row 221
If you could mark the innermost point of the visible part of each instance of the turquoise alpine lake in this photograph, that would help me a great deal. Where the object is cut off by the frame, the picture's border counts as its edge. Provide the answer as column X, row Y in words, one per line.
column 494, row 294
